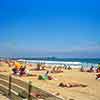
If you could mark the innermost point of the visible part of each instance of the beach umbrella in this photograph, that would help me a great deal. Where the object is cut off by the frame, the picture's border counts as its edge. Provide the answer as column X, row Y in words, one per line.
column 17, row 65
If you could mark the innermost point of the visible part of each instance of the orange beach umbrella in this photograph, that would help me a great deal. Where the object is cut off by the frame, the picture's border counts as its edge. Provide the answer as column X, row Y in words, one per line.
column 17, row 65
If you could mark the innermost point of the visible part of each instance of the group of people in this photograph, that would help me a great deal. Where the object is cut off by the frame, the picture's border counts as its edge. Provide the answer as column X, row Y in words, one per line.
column 19, row 69
column 92, row 69
column 57, row 70
column 60, row 69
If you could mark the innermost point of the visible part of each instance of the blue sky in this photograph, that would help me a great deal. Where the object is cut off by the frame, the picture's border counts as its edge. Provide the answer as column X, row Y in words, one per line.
column 62, row 28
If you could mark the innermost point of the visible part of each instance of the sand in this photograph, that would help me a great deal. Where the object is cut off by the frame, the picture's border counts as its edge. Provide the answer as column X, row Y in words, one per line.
column 2, row 97
column 91, row 92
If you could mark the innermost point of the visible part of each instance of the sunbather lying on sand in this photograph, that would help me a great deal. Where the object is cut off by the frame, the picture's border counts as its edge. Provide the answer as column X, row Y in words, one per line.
column 71, row 84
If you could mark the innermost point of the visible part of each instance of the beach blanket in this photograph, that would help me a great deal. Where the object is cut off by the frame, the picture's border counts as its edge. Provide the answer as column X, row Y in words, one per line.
column 42, row 77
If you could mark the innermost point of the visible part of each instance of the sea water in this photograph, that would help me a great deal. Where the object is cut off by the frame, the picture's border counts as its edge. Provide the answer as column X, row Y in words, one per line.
column 73, row 62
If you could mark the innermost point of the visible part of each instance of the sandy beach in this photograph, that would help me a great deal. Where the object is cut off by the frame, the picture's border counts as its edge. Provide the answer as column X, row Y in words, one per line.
column 91, row 92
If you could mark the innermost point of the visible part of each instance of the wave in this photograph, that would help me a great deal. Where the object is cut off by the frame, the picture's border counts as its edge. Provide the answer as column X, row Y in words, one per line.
column 50, row 62
column 73, row 64
column 63, row 63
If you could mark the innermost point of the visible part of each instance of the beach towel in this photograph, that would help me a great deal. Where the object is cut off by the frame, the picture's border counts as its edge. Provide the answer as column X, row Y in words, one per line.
column 42, row 77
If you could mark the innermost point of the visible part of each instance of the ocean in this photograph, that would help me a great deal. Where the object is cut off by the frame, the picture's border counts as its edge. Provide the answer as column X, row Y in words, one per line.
column 74, row 62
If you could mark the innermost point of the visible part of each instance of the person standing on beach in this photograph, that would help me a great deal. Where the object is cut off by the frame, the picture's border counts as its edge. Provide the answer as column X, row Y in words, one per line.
column 46, row 74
